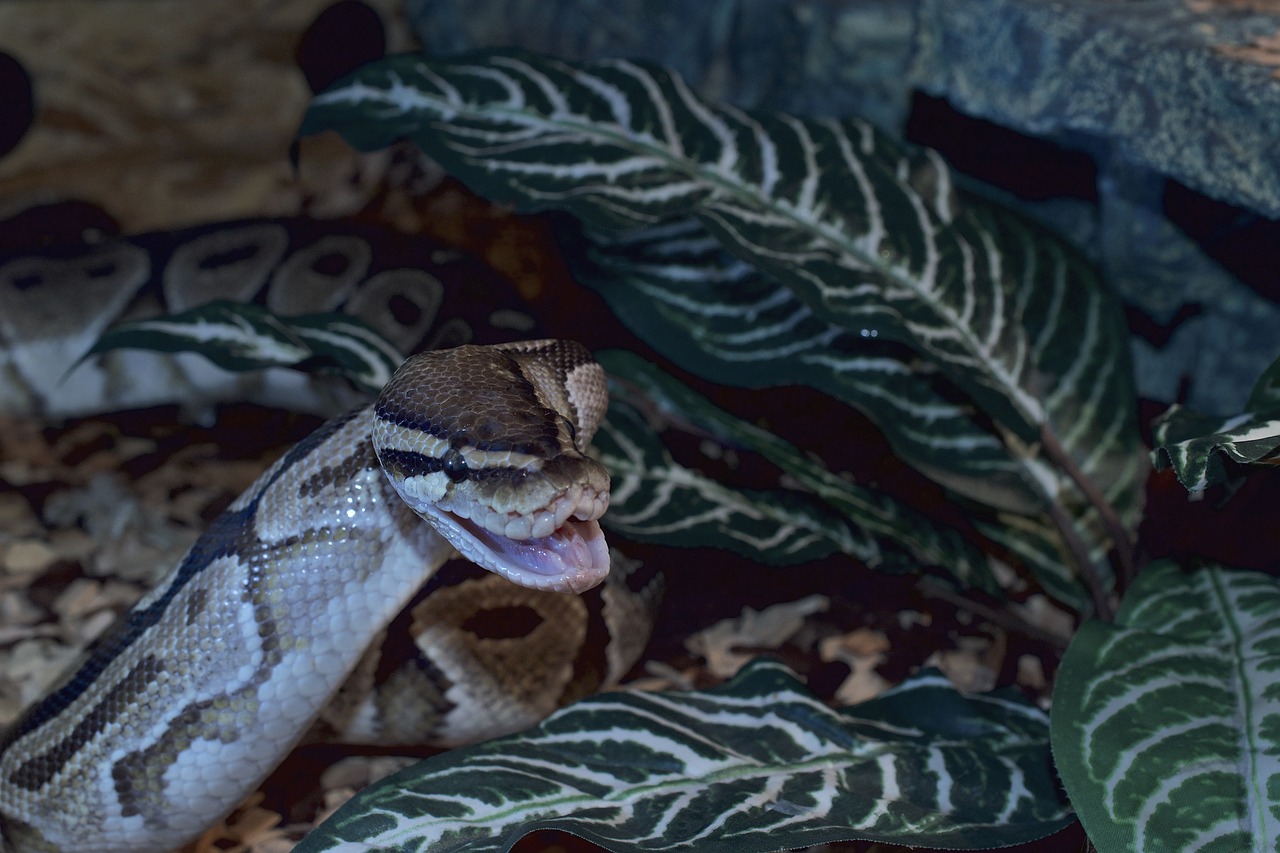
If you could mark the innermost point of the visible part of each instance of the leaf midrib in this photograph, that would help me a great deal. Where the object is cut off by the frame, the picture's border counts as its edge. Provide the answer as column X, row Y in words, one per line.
column 645, row 143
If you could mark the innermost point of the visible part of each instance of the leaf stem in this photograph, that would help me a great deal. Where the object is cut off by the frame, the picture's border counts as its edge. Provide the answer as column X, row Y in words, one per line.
column 1080, row 553
column 1110, row 518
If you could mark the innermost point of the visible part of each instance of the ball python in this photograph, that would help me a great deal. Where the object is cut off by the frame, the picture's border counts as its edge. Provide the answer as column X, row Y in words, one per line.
column 57, row 300
column 170, row 719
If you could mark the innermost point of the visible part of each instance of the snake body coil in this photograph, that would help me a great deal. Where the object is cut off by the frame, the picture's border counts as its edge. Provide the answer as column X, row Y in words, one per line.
column 197, row 693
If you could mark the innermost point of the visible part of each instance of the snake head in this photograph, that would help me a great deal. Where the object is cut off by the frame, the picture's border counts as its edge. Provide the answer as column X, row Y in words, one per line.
column 487, row 444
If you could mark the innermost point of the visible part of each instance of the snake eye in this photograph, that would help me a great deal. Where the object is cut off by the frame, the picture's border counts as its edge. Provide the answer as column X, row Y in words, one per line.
column 454, row 466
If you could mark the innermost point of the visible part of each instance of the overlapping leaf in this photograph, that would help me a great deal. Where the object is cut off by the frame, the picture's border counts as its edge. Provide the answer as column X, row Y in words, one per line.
column 719, row 317
column 654, row 499
column 1196, row 446
column 756, row 765
column 240, row 336
column 651, row 492
column 1166, row 725
column 1037, row 545
column 870, row 236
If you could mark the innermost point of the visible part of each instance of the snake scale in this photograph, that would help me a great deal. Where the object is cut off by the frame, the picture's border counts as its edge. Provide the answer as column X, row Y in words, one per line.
column 178, row 712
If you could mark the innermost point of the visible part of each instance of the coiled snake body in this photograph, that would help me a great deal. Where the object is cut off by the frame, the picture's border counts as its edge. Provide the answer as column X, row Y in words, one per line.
column 174, row 716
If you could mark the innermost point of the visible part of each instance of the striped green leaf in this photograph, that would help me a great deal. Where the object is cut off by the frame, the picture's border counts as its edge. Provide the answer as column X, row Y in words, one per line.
column 724, row 320
column 872, row 237
column 243, row 336
column 345, row 345
column 1166, row 724
column 655, row 499
column 1037, row 545
column 756, row 765
column 886, row 530
column 1197, row 446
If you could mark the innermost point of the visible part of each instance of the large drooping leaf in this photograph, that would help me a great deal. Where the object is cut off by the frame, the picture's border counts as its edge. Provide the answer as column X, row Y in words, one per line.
column 243, row 336
column 722, row 319
column 1166, row 724
column 870, row 235
column 887, row 531
column 677, row 288
column 756, row 765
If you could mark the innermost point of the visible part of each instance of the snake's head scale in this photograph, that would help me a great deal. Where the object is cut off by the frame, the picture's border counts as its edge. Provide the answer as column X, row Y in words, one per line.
column 487, row 444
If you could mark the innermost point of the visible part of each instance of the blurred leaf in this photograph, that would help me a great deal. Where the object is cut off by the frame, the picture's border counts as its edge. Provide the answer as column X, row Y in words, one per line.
column 243, row 337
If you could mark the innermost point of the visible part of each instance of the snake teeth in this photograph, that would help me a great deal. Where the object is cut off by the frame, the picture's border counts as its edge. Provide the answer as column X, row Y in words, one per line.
column 542, row 525
column 581, row 503
column 573, row 558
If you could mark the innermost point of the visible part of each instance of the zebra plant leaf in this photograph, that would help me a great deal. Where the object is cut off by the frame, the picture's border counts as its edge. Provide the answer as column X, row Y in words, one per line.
column 872, row 237
column 883, row 520
column 655, row 499
column 721, row 318
column 243, row 337
column 1166, row 725
column 1037, row 545
column 356, row 351
column 1197, row 446
column 756, row 765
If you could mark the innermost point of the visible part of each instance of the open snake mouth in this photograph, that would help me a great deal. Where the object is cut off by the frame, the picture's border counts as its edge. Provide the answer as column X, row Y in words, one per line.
column 573, row 558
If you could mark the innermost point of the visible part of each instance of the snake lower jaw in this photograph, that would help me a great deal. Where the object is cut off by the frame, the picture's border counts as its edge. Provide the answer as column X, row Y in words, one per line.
column 574, row 558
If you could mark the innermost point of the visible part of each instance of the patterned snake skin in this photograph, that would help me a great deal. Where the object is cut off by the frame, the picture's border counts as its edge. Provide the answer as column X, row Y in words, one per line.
column 177, row 713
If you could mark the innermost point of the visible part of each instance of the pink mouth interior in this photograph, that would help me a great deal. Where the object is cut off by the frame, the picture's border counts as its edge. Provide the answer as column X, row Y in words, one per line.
column 575, row 557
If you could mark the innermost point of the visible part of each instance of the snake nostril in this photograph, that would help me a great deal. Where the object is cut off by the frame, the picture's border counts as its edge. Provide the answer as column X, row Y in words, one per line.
column 489, row 430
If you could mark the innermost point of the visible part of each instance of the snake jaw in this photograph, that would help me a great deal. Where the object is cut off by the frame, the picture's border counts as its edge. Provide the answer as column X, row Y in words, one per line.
column 573, row 558
column 553, row 544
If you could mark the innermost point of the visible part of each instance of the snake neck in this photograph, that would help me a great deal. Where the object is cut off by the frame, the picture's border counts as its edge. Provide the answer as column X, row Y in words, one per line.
column 184, row 707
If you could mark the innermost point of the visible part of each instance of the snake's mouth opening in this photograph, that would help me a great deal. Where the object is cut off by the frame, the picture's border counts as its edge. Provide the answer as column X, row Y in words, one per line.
column 574, row 558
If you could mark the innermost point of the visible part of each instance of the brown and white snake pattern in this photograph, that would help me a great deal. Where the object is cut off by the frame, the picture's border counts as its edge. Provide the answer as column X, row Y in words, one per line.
column 55, row 303
column 178, row 712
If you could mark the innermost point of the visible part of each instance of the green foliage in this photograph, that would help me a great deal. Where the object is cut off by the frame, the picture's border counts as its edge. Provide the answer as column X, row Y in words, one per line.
column 655, row 499
column 757, row 764
column 678, row 289
column 1166, row 725
column 1197, row 446
column 759, row 249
